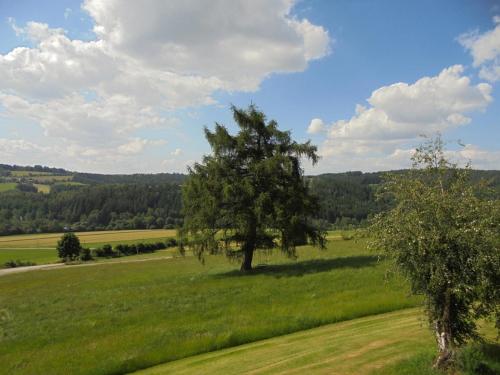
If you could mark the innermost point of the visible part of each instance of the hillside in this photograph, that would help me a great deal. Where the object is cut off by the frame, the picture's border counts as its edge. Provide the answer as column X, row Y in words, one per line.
column 42, row 199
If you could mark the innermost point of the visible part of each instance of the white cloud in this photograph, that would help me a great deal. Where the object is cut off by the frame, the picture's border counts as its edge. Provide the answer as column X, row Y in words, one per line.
column 149, row 59
column 176, row 152
column 485, row 50
column 240, row 42
column 102, row 122
column 376, row 136
column 316, row 126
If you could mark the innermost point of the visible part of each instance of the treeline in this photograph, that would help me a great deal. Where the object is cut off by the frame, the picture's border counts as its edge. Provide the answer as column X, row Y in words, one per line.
column 146, row 202
column 85, row 208
column 158, row 178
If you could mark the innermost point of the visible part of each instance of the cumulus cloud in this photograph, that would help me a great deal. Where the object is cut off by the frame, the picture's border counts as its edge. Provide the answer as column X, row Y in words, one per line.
column 239, row 42
column 176, row 152
column 398, row 114
column 149, row 59
column 485, row 50
column 316, row 126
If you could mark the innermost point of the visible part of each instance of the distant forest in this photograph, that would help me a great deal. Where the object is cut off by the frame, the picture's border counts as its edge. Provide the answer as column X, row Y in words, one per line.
column 87, row 201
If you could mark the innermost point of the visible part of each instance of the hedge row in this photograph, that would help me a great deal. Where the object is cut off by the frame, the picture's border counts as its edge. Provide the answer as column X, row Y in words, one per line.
column 107, row 251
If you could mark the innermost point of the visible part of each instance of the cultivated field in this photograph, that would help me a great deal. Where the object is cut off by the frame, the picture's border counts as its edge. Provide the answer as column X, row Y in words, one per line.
column 86, row 238
column 127, row 316
column 40, row 248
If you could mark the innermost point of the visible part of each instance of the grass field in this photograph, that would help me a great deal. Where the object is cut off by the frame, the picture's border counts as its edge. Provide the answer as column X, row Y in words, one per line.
column 40, row 248
column 122, row 317
column 6, row 186
column 358, row 346
column 38, row 256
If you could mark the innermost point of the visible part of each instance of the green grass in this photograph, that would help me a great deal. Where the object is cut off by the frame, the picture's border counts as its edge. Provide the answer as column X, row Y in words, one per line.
column 38, row 256
column 359, row 346
column 116, row 318
column 40, row 248
column 6, row 186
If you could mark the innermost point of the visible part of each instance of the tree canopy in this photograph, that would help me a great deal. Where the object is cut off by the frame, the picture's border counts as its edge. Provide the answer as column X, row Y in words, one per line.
column 443, row 234
column 68, row 247
column 250, row 192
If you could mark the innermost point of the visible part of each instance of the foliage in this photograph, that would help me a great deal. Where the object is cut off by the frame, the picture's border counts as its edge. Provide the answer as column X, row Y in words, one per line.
column 480, row 358
column 443, row 235
column 107, row 251
column 27, row 188
column 143, row 201
column 18, row 263
column 250, row 193
column 68, row 247
column 85, row 255
column 101, row 207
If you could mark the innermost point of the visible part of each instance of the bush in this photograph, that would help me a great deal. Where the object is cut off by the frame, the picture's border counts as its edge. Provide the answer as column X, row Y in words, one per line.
column 18, row 263
column 479, row 359
column 160, row 245
column 107, row 251
column 69, row 247
column 170, row 242
column 139, row 248
column 85, row 255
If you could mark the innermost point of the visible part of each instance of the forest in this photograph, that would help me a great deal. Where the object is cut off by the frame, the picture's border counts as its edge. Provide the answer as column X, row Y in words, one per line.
column 153, row 201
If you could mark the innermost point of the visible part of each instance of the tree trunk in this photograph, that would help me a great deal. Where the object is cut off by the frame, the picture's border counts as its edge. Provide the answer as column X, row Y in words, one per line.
column 247, row 260
column 444, row 336
column 248, row 249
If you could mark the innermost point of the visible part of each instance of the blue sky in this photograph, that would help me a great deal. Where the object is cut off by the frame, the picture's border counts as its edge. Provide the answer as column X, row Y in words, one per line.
column 124, row 87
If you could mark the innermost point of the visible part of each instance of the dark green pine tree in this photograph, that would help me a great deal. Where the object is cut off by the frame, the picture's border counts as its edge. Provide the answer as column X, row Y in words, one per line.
column 250, row 192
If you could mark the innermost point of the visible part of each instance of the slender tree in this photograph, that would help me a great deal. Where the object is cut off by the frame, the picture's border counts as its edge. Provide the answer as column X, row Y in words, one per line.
column 249, row 193
column 443, row 234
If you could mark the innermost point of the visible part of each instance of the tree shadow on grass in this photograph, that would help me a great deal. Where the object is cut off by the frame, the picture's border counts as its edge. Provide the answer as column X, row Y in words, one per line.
column 305, row 267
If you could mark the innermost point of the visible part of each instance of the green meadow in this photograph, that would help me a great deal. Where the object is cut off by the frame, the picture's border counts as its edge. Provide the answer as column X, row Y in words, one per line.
column 359, row 346
column 6, row 186
column 41, row 248
column 117, row 318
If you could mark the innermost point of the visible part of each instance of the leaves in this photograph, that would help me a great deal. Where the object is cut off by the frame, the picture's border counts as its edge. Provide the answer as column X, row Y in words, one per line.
column 443, row 234
column 250, row 192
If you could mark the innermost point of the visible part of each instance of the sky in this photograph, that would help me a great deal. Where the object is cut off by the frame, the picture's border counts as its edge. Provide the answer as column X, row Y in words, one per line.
column 124, row 86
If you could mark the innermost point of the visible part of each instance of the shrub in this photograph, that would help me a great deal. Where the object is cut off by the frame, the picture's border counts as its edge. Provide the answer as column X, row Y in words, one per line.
column 170, row 242
column 107, row 250
column 69, row 247
column 141, row 248
column 18, row 263
column 160, row 245
column 479, row 359
column 133, row 249
column 85, row 255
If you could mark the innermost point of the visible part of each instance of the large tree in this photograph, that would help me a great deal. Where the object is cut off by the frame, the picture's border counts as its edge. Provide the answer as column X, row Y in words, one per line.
column 250, row 192
column 443, row 234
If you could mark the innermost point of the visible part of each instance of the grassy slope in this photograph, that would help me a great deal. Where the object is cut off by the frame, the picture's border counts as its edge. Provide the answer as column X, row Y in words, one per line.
column 124, row 317
column 357, row 346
